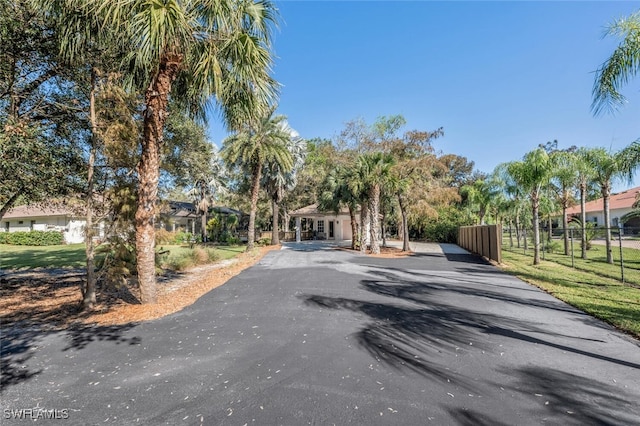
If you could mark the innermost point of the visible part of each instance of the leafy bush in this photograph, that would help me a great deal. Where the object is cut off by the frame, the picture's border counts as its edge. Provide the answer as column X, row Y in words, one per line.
column 263, row 241
column 552, row 247
column 181, row 237
column 444, row 228
column 32, row 238
column 231, row 240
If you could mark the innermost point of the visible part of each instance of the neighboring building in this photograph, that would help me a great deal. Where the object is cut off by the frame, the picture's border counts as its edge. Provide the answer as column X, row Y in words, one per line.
column 325, row 225
column 619, row 205
column 32, row 218
column 177, row 216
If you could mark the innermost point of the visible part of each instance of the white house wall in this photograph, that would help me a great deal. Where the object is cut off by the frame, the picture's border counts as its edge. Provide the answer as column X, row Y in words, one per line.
column 615, row 214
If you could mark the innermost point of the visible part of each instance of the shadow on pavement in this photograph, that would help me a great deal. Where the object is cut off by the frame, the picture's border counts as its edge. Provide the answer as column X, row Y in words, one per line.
column 576, row 399
column 466, row 417
column 20, row 343
column 412, row 337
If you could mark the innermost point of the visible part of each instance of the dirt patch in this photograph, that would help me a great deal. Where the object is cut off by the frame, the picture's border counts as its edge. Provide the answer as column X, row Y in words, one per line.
column 385, row 252
column 51, row 298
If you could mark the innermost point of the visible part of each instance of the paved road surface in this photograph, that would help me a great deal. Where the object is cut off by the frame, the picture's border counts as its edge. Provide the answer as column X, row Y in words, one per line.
column 315, row 335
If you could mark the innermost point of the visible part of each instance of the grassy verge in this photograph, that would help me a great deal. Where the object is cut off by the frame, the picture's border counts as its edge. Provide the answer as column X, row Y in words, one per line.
column 596, row 262
column 602, row 297
column 73, row 256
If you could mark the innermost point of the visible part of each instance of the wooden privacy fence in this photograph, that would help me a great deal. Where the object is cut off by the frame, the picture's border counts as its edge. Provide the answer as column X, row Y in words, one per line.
column 485, row 240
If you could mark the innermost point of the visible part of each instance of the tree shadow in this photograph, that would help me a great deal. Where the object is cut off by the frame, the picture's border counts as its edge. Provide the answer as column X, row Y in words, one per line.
column 413, row 332
column 20, row 344
column 575, row 399
column 419, row 291
column 466, row 417
column 413, row 339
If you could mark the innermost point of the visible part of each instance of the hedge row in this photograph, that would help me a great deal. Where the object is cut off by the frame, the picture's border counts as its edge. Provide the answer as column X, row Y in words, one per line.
column 32, row 238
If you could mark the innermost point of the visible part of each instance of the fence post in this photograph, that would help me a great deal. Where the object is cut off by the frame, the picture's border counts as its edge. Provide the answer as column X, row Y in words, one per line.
column 621, row 258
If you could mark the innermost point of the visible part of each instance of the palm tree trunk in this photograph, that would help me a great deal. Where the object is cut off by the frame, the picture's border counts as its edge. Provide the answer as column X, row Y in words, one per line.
column 606, row 195
column 89, row 290
column 518, row 228
column 511, row 233
column 155, row 115
column 255, row 190
column 354, row 227
column 364, row 224
column 583, row 219
column 535, row 205
column 275, row 238
column 203, row 225
column 565, row 228
column 405, row 224
column 374, row 199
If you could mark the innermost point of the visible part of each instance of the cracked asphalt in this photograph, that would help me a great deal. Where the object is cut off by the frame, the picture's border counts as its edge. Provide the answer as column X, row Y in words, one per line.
column 316, row 335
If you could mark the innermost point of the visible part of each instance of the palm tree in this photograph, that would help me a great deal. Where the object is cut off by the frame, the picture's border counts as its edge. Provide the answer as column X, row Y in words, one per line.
column 479, row 195
column 188, row 51
column 606, row 167
column 564, row 177
column 337, row 190
column 532, row 174
column 263, row 142
column 374, row 169
column 208, row 182
column 277, row 180
column 620, row 67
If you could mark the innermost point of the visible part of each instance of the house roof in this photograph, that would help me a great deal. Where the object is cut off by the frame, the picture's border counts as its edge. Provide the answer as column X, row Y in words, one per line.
column 622, row 200
column 36, row 211
column 312, row 210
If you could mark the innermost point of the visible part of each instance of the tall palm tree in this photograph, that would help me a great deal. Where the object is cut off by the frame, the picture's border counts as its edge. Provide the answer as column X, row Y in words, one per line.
column 188, row 51
column 262, row 142
column 337, row 190
column 620, row 67
column 479, row 196
column 564, row 177
column 606, row 167
column 208, row 182
column 374, row 169
column 532, row 175
column 277, row 179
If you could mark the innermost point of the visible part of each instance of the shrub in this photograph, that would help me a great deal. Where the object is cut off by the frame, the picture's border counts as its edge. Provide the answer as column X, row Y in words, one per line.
column 32, row 238
column 552, row 247
column 186, row 260
column 164, row 237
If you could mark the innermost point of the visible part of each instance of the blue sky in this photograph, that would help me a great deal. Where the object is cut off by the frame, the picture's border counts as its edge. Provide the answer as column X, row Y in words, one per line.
column 499, row 77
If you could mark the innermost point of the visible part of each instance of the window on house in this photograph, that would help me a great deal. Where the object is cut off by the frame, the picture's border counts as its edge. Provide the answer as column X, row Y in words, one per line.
column 321, row 226
column 20, row 222
column 33, row 222
column 6, row 226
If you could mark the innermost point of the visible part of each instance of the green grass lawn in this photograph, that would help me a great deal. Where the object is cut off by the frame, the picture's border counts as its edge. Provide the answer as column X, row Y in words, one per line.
column 72, row 255
column 595, row 262
column 19, row 257
column 602, row 297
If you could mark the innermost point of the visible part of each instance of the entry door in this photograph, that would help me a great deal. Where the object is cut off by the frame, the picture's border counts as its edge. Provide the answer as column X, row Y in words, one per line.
column 330, row 229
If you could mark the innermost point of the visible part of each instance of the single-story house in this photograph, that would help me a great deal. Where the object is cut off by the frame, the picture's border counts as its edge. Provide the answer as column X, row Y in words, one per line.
column 619, row 205
column 325, row 225
column 177, row 216
column 34, row 218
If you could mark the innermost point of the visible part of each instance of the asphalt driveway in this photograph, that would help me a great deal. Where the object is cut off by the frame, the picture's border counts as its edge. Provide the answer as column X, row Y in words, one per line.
column 316, row 335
